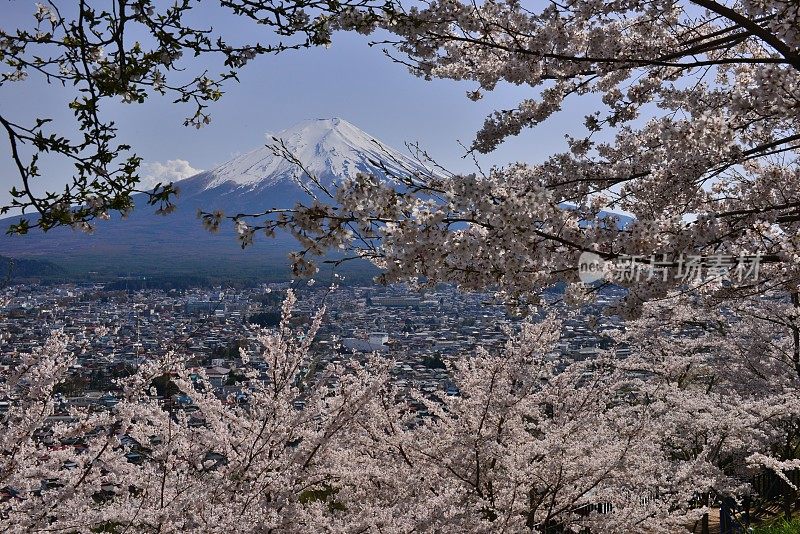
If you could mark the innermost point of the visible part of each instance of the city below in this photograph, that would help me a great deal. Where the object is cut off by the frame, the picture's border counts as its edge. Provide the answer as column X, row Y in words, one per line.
column 112, row 331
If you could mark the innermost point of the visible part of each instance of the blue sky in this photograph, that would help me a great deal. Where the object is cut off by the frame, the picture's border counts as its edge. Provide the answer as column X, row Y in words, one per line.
column 350, row 80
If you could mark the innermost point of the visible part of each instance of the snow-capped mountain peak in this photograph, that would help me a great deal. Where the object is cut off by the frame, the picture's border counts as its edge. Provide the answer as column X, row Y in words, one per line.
column 330, row 148
column 251, row 183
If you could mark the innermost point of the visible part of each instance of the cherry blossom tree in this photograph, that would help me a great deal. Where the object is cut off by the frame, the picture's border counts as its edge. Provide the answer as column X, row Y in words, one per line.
column 723, row 387
column 694, row 132
column 703, row 406
column 524, row 446
column 228, row 465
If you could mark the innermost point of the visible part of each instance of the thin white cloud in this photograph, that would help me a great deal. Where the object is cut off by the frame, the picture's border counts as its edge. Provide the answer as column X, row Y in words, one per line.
column 165, row 172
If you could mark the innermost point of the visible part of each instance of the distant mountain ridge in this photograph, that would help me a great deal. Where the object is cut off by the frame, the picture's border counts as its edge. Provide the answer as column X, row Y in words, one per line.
column 332, row 149
column 15, row 268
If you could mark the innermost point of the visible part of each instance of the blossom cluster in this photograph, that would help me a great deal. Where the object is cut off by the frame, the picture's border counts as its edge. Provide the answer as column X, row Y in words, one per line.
column 694, row 134
column 613, row 445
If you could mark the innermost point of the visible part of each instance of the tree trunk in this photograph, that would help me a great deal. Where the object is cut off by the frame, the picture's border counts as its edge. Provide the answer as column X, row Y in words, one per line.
column 746, row 516
column 788, row 503
column 704, row 528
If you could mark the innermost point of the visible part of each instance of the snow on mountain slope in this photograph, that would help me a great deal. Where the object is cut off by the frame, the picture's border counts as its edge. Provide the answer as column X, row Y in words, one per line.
column 329, row 148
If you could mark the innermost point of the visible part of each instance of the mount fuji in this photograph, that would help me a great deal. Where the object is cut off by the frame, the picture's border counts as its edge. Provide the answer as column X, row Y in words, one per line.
column 148, row 244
